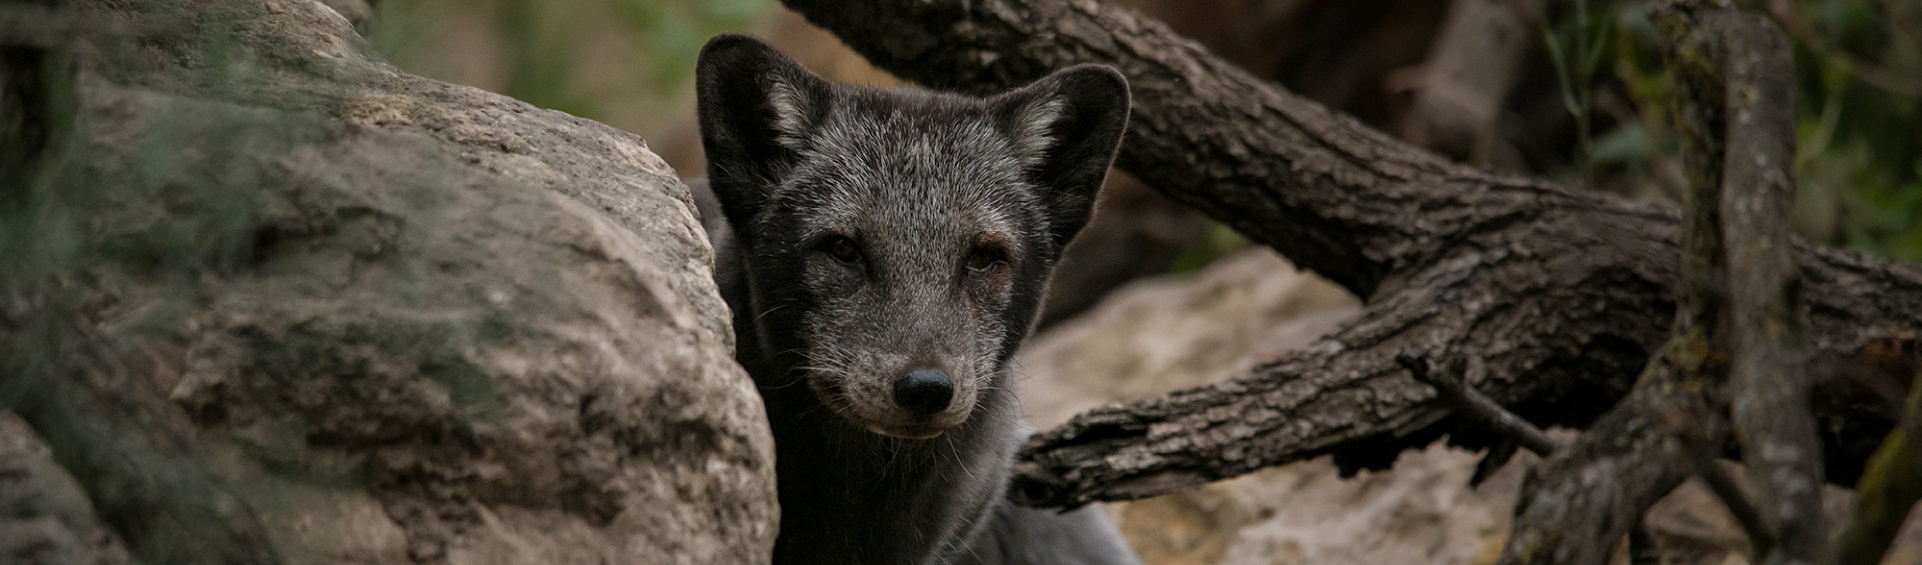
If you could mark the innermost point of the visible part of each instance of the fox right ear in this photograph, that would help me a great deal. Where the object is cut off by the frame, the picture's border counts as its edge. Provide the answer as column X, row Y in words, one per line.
column 1065, row 128
column 756, row 108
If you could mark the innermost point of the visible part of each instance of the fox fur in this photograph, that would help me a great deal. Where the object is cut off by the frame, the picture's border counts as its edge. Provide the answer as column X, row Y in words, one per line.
column 884, row 252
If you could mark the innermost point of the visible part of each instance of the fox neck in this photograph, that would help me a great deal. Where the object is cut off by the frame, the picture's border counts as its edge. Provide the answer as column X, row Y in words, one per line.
column 905, row 493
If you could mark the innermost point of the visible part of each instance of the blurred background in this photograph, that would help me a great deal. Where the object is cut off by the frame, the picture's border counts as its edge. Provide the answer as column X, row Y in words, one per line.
column 1572, row 91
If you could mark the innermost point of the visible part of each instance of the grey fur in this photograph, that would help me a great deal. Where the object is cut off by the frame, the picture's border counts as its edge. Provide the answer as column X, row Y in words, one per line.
column 861, row 234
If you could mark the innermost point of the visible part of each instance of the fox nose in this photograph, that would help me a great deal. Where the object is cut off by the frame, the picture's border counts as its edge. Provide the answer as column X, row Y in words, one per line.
column 924, row 391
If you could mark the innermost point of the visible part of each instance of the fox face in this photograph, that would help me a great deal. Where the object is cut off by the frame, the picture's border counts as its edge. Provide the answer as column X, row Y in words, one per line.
column 896, row 243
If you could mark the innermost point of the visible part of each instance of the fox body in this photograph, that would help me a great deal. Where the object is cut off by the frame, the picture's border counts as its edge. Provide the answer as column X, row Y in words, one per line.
column 884, row 252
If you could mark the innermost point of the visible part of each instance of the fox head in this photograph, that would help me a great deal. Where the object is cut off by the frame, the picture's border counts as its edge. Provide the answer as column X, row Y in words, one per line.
column 897, row 242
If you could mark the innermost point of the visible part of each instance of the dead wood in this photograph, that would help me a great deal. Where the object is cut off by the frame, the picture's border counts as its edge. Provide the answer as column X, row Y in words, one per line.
column 1737, row 75
column 1563, row 295
column 1888, row 493
column 1570, row 502
column 1737, row 279
column 1643, row 447
column 1477, row 406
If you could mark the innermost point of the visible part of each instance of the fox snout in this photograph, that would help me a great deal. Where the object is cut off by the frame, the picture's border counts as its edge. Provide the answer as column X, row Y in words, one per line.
column 924, row 392
column 919, row 402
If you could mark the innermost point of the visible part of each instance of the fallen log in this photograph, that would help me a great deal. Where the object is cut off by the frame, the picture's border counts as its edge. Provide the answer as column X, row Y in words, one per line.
column 1562, row 295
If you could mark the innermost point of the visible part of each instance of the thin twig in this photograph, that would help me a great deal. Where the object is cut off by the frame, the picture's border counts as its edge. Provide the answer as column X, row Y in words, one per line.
column 1576, row 506
column 1761, row 540
column 1476, row 405
column 1642, row 545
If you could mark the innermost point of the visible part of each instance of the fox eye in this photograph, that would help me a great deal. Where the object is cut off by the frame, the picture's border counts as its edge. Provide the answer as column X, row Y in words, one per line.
column 843, row 250
column 987, row 260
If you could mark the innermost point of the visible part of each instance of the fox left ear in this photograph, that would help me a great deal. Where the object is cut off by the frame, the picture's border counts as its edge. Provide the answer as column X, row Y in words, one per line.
column 757, row 108
column 1066, row 128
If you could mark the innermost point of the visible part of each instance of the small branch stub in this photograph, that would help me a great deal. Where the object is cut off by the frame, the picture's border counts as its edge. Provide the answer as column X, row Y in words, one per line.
column 1474, row 404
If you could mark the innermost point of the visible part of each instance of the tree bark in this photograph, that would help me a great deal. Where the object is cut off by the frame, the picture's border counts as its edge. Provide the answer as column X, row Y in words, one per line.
column 1888, row 493
column 1739, row 328
column 1563, row 295
column 1738, row 69
column 1644, row 448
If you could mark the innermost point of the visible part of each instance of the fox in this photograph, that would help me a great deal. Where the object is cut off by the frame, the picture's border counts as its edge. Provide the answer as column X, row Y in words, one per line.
column 884, row 252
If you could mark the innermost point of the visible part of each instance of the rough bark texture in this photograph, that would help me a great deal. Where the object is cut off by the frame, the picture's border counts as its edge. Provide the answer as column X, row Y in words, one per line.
column 1755, row 104
column 1564, row 295
column 1741, row 323
column 1575, row 507
column 1740, row 301
column 1478, row 407
column 404, row 321
column 1888, row 494
column 1169, row 333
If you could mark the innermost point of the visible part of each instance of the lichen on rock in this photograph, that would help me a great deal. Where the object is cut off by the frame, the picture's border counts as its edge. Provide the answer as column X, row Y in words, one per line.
column 406, row 320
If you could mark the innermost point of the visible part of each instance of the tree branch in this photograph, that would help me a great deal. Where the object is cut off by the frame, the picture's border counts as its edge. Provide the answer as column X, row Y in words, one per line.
column 1737, row 278
column 1478, row 407
column 1761, row 539
column 1563, row 295
column 1888, row 493
column 1700, row 123
column 1658, row 432
column 1642, row 448
column 1738, row 72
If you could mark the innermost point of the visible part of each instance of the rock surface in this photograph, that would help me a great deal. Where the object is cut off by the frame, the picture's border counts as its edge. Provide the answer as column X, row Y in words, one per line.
column 1159, row 335
column 408, row 321
column 45, row 517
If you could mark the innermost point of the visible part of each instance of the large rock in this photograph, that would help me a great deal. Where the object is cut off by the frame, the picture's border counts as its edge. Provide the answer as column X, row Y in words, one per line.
column 1158, row 335
column 45, row 517
column 406, row 320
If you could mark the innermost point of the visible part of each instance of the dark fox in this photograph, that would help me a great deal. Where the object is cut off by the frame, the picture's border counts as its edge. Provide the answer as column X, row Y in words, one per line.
column 884, row 252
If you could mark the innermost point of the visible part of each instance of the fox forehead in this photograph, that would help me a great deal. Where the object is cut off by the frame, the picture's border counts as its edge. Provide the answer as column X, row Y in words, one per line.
column 933, row 170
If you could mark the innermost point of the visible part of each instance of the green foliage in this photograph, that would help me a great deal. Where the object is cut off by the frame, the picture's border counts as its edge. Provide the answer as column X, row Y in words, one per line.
column 1576, row 47
column 1859, row 162
column 623, row 62
column 1860, row 63
column 676, row 29
column 1221, row 241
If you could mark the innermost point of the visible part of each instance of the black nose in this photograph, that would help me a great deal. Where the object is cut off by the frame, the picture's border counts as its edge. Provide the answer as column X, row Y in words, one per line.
column 924, row 391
